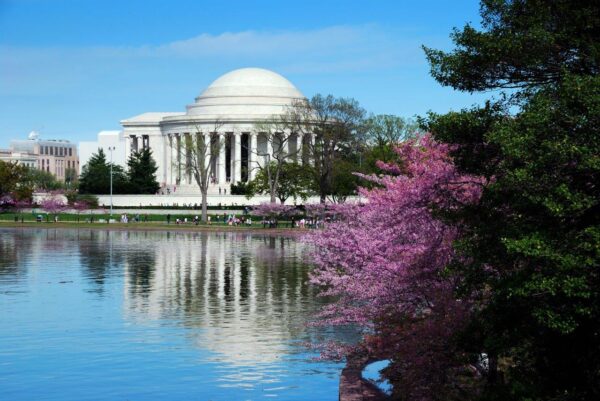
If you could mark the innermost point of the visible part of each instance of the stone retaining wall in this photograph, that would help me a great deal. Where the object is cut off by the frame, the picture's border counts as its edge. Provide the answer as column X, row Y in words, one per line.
column 352, row 385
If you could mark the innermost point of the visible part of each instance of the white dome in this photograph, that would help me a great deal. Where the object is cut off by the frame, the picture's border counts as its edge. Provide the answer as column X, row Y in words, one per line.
column 247, row 92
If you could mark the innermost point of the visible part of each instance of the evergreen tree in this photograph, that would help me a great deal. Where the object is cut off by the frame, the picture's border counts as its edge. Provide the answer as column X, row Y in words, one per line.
column 95, row 176
column 142, row 173
column 530, row 254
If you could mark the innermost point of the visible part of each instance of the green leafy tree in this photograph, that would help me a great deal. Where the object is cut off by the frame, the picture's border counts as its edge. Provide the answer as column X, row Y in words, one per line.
column 294, row 181
column 12, row 179
column 42, row 180
column 95, row 176
column 270, row 166
column 382, row 132
column 338, row 126
column 345, row 182
column 141, row 173
column 530, row 255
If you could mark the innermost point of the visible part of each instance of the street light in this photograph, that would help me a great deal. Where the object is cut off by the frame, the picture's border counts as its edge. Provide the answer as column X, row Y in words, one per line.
column 110, row 149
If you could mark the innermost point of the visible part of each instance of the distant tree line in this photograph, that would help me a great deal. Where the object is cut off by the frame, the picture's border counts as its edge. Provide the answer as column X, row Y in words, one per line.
column 347, row 142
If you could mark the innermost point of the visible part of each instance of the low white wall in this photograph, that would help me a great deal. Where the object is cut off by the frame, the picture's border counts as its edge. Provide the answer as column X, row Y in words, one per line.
column 180, row 200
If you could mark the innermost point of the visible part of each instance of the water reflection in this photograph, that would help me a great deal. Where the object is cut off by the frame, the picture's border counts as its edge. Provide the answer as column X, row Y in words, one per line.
column 241, row 295
column 247, row 295
column 217, row 315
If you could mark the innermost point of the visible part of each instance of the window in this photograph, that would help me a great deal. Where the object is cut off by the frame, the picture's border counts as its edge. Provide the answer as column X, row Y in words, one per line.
column 51, row 151
column 70, row 152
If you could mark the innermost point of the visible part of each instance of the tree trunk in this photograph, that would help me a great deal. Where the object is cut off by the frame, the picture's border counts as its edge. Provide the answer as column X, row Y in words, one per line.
column 204, row 205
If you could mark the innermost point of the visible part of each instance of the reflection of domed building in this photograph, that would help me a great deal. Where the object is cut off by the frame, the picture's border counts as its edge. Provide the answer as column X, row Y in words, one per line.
column 226, row 111
column 243, row 297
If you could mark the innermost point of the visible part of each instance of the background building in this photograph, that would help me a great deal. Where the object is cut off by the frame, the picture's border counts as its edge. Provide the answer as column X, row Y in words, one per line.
column 20, row 158
column 54, row 156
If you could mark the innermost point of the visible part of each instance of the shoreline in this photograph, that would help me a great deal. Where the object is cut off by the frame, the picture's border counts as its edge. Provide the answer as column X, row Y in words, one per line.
column 291, row 232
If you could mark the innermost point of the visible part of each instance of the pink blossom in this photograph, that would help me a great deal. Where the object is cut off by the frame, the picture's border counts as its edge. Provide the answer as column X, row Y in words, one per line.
column 273, row 210
column 383, row 261
column 53, row 205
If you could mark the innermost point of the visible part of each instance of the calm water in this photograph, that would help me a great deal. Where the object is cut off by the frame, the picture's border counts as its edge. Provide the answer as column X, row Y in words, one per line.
column 98, row 315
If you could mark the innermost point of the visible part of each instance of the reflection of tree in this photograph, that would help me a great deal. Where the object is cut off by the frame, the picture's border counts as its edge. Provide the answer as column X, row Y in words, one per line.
column 97, row 256
column 141, row 263
column 15, row 247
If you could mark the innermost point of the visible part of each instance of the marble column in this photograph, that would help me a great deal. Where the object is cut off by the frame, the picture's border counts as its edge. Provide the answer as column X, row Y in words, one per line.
column 299, row 148
column 222, row 179
column 169, row 163
column 187, row 155
column 311, row 159
column 165, row 146
column 269, row 155
column 285, row 144
column 178, row 159
column 252, row 153
column 207, row 155
column 237, row 158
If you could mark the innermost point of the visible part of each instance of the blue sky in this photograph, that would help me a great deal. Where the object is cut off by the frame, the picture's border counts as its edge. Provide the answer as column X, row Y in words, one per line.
column 70, row 68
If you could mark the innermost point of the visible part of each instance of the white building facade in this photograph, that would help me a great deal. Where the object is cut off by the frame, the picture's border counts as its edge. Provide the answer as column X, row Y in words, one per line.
column 228, row 111
column 113, row 144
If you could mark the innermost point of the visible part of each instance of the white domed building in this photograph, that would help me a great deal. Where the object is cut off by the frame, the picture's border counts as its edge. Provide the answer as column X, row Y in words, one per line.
column 229, row 110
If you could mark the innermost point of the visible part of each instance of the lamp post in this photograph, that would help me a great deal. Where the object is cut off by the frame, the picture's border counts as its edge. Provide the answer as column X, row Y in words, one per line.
column 110, row 149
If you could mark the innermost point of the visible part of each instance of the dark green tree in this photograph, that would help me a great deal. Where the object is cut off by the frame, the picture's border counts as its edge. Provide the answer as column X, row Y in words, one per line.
column 344, row 181
column 95, row 176
column 524, row 44
column 530, row 256
column 142, row 173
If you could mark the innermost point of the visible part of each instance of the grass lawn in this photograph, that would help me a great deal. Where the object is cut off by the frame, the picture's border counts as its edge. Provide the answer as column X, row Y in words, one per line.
column 150, row 221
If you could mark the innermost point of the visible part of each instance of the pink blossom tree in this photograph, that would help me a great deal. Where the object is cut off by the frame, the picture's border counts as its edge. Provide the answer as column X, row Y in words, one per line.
column 80, row 206
column 53, row 205
column 20, row 205
column 7, row 202
column 273, row 211
column 384, row 262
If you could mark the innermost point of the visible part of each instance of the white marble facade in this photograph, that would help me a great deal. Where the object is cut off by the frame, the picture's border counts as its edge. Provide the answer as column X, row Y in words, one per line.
column 227, row 111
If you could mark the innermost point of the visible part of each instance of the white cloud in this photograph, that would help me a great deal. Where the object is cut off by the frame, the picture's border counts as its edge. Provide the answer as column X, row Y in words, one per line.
column 320, row 51
column 275, row 44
